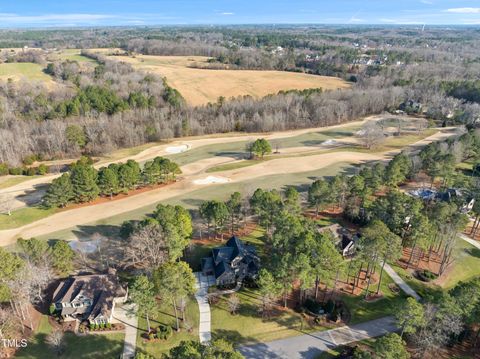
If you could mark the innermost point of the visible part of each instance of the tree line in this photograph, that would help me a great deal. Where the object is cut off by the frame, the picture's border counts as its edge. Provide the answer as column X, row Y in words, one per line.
column 84, row 183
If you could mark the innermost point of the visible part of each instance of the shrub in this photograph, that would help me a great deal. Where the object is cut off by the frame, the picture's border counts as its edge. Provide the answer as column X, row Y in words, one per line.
column 16, row 171
column 30, row 171
column 330, row 306
column 3, row 169
column 52, row 309
column 92, row 326
column 151, row 336
column 42, row 169
column 164, row 332
column 313, row 306
column 108, row 326
column 426, row 275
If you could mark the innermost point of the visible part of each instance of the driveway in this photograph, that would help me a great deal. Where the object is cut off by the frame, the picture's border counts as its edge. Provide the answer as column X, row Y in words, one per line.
column 309, row 346
column 202, row 283
column 472, row 241
column 123, row 314
column 401, row 283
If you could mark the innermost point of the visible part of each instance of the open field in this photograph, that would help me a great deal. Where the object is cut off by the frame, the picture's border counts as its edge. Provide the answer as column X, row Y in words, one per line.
column 201, row 86
column 24, row 70
column 73, row 55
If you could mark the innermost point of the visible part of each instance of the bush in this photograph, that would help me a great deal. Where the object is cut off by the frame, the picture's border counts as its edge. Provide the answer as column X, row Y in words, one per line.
column 151, row 336
column 42, row 169
column 16, row 171
column 52, row 309
column 330, row 306
column 312, row 306
column 92, row 326
column 164, row 332
column 30, row 171
column 108, row 326
column 3, row 169
column 426, row 275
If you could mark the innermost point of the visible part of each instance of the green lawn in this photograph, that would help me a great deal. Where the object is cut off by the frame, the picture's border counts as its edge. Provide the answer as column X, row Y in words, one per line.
column 466, row 266
column 363, row 311
column 165, row 315
column 247, row 326
column 74, row 55
column 30, row 71
column 89, row 347
column 24, row 216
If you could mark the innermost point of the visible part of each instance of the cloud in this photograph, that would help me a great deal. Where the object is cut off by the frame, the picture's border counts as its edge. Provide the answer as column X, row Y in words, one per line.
column 464, row 10
column 428, row 2
column 15, row 19
column 227, row 13
column 400, row 21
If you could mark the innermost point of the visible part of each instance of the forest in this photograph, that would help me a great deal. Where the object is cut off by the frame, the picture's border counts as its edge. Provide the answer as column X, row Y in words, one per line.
column 111, row 105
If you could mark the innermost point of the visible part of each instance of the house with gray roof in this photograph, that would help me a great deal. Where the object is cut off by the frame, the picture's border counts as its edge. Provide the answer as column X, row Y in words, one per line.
column 89, row 297
column 232, row 263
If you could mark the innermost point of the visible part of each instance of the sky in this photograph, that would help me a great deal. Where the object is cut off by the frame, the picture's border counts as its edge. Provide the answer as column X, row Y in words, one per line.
column 66, row 13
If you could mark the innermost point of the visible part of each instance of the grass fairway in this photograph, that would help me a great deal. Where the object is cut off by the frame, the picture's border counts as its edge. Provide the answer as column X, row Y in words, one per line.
column 26, row 70
column 24, row 216
column 110, row 226
column 74, row 55
column 201, row 86
column 14, row 180
column 89, row 347
column 165, row 315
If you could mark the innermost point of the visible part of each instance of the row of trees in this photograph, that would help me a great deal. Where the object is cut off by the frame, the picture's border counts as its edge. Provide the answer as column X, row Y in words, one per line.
column 154, row 247
column 84, row 183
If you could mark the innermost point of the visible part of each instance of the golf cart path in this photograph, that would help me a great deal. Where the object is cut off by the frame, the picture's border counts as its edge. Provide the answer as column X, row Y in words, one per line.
column 310, row 346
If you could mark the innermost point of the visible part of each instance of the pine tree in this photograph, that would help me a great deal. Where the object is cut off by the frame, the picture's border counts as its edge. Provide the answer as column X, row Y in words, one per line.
column 84, row 182
column 60, row 192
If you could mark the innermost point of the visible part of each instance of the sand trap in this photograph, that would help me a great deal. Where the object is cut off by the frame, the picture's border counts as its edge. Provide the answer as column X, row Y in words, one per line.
column 211, row 179
column 177, row 149
column 329, row 143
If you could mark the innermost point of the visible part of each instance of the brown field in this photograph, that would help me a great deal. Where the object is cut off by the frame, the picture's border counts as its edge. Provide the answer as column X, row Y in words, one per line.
column 200, row 86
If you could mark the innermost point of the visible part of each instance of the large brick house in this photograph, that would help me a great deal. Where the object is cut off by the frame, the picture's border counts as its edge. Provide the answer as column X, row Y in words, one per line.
column 89, row 297
column 232, row 263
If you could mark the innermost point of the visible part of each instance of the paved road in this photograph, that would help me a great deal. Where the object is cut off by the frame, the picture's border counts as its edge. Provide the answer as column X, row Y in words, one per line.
column 309, row 346
column 469, row 240
column 123, row 314
column 400, row 282
column 202, row 284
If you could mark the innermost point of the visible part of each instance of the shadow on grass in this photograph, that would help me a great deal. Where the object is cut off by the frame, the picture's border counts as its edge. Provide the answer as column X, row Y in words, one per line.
column 474, row 252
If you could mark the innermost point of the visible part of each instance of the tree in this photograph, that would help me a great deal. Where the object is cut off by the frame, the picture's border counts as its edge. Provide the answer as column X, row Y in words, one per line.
column 410, row 316
column 319, row 195
column 292, row 200
column 218, row 348
column 233, row 303
column 371, row 135
column 143, row 295
column 84, row 182
column 234, row 206
column 56, row 341
column 60, row 192
column 108, row 181
column 174, row 280
column 260, row 147
column 76, row 136
column 266, row 205
column 11, row 266
column 62, row 257
column 37, row 251
column 391, row 346
column 214, row 211
column 397, row 170
column 269, row 289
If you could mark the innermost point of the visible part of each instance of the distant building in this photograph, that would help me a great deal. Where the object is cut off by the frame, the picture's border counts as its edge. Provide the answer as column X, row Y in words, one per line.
column 344, row 239
column 232, row 263
column 465, row 203
column 89, row 297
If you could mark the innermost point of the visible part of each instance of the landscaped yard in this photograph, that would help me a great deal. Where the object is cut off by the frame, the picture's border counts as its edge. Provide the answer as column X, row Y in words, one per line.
column 248, row 326
column 165, row 315
column 88, row 347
